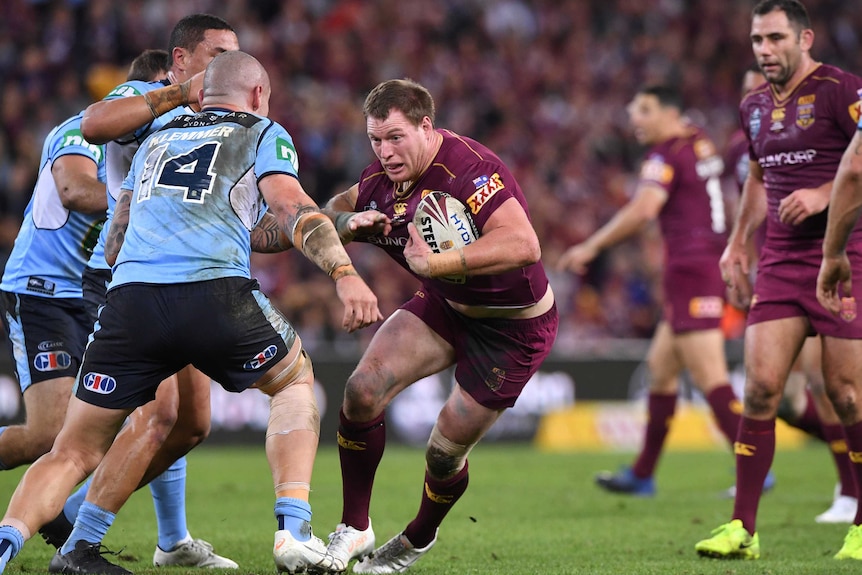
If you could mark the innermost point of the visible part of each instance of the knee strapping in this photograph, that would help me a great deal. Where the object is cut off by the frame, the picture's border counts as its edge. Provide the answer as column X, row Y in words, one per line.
column 445, row 458
column 299, row 370
column 293, row 407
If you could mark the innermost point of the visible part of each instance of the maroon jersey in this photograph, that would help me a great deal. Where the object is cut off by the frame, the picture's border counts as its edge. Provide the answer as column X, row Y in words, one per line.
column 472, row 173
column 799, row 141
column 692, row 220
column 736, row 160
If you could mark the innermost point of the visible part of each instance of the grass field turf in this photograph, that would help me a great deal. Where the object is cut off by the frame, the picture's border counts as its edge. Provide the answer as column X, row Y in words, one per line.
column 526, row 512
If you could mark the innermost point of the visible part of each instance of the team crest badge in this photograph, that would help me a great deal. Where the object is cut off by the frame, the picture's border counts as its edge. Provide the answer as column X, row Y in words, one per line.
column 805, row 116
column 495, row 379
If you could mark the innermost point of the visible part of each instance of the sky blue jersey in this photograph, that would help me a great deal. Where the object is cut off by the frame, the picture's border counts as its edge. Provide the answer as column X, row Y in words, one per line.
column 54, row 243
column 119, row 154
column 195, row 197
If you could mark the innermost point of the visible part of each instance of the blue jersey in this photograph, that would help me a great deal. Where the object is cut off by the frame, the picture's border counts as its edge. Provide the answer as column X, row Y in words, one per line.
column 54, row 243
column 195, row 197
column 119, row 154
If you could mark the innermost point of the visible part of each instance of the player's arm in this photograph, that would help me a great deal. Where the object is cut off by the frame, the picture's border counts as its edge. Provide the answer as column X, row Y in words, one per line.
column 108, row 120
column 834, row 282
column 643, row 208
column 752, row 207
column 845, row 200
column 267, row 236
column 313, row 233
column 119, row 225
column 507, row 242
column 80, row 190
column 349, row 223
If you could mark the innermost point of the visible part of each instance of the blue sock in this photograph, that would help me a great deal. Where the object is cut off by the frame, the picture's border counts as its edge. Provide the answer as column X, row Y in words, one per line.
column 74, row 502
column 91, row 525
column 11, row 542
column 2, row 465
column 169, row 499
column 295, row 516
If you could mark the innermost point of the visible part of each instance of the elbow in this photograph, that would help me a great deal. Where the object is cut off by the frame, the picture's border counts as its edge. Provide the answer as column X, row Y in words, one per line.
column 530, row 252
column 90, row 130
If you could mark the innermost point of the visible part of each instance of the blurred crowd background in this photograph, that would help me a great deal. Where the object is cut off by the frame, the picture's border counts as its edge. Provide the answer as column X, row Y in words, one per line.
column 544, row 83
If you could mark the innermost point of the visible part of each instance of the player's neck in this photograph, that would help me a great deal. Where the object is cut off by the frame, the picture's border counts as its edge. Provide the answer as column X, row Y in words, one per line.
column 674, row 130
column 806, row 66
column 176, row 76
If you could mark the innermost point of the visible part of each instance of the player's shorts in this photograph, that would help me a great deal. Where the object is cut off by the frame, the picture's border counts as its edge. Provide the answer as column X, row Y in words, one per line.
column 786, row 287
column 495, row 358
column 224, row 327
column 46, row 335
column 95, row 285
column 694, row 295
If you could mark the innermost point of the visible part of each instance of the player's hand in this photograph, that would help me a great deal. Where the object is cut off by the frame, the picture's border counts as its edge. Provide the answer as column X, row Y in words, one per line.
column 801, row 205
column 368, row 223
column 416, row 252
column 576, row 258
column 735, row 267
column 834, row 280
column 360, row 303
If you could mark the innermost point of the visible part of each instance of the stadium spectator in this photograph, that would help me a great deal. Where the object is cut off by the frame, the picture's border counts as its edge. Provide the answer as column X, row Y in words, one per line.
column 797, row 126
column 496, row 325
column 129, row 356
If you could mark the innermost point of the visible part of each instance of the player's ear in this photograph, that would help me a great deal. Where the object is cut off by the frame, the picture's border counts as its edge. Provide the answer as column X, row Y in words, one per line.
column 806, row 39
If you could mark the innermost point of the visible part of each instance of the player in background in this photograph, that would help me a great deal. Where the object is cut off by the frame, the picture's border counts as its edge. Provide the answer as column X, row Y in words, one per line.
column 495, row 328
column 798, row 125
column 679, row 185
column 206, row 176
column 804, row 404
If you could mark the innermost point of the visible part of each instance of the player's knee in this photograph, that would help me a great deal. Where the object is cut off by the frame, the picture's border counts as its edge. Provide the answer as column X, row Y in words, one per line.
column 842, row 395
column 363, row 394
column 293, row 407
column 762, row 397
column 445, row 458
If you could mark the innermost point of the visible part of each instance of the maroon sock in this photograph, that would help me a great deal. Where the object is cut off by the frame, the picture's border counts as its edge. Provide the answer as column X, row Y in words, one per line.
column 726, row 408
column 755, row 449
column 833, row 434
column 660, row 410
column 809, row 421
column 853, row 433
column 438, row 497
column 360, row 448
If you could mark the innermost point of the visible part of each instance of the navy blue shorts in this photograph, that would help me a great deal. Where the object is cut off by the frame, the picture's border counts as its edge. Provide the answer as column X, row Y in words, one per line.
column 225, row 327
column 46, row 335
column 95, row 286
column 495, row 358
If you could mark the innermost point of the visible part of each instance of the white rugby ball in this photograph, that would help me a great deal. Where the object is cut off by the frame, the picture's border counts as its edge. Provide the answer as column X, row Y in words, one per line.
column 445, row 224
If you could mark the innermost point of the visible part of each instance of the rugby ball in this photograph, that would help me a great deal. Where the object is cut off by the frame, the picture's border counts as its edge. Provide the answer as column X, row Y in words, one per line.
column 445, row 224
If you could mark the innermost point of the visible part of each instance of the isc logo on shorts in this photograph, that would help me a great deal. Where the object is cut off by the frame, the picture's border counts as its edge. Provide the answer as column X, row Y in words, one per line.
column 52, row 360
column 99, row 383
column 260, row 359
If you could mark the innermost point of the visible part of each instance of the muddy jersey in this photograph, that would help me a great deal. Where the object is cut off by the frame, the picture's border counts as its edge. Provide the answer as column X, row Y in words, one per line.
column 196, row 199
column 474, row 175
column 692, row 220
column 798, row 141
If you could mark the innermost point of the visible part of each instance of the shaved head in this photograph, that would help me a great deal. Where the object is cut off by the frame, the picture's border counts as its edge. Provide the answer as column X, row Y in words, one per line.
column 237, row 80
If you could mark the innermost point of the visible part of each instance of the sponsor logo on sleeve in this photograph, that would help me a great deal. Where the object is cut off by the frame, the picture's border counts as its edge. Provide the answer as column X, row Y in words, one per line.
column 123, row 91
column 52, row 361
column 284, row 150
column 704, row 148
column 656, row 170
column 75, row 138
column 855, row 110
column 261, row 358
column 486, row 187
column 99, row 383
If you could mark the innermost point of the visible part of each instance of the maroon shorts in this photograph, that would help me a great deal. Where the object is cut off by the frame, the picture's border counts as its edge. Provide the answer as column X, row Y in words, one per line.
column 494, row 357
column 786, row 286
column 694, row 295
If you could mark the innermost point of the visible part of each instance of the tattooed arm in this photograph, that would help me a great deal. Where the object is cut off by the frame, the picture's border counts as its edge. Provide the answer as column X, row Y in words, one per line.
column 267, row 237
column 119, row 224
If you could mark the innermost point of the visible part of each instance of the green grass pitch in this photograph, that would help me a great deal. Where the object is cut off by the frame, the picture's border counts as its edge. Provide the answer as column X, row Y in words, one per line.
column 526, row 512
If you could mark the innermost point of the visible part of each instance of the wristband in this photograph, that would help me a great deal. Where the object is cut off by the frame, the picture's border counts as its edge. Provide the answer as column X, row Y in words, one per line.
column 449, row 263
column 343, row 270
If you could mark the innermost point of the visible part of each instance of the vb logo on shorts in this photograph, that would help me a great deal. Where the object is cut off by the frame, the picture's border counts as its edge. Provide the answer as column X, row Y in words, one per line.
column 260, row 359
column 99, row 383
column 52, row 360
